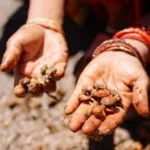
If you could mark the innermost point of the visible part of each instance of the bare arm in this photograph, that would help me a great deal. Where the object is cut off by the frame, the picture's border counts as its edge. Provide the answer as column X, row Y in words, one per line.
column 49, row 9
column 31, row 46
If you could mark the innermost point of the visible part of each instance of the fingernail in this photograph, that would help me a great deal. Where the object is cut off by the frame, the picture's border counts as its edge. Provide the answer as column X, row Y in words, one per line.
column 67, row 111
column 3, row 66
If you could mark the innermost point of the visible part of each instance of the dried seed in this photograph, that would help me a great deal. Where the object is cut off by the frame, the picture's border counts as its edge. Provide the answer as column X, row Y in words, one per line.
column 98, row 111
column 86, row 91
column 36, row 91
column 20, row 91
column 110, row 100
column 49, row 86
column 24, row 81
column 100, row 93
column 48, row 72
column 116, row 95
column 43, row 69
column 51, row 73
column 41, row 80
column 107, row 101
column 98, row 87
column 34, row 88
column 83, row 97
column 31, row 87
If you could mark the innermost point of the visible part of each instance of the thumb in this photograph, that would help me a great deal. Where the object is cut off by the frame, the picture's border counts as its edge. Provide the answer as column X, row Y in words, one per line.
column 140, row 95
column 73, row 102
column 12, row 54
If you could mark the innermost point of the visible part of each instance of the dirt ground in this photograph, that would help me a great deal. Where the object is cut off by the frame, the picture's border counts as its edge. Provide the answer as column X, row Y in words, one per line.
column 38, row 123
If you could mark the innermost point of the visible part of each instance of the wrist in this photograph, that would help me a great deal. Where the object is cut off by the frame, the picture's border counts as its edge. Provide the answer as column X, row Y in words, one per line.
column 138, row 37
column 119, row 45
column 46, row 23
column 47, row 9
column 141, row 47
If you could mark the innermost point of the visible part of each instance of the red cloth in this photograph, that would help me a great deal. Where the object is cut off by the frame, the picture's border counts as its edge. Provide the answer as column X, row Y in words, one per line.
column 134, row 14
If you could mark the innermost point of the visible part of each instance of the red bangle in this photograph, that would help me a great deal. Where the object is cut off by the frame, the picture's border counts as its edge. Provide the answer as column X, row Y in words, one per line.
column 143, row 32
column 118, row 44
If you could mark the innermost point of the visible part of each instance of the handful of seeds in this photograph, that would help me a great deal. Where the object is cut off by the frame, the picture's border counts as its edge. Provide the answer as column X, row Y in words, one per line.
column 103, row 102
column 36, row 86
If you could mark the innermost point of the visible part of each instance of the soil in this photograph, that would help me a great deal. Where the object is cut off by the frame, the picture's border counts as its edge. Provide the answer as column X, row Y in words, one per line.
column 38, row 123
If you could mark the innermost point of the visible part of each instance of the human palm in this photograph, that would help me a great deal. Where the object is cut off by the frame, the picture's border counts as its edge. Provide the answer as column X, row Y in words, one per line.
column 120, row 72
column 33, row 46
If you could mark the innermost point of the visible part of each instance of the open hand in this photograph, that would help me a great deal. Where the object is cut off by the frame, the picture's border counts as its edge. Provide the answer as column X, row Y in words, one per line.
column 117, row 71
column 32, row 47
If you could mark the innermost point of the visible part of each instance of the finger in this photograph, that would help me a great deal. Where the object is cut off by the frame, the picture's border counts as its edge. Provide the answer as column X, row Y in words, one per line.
column 140, row 95
column 101, row 93
column 74, row 101
column 60, row 67
column 19, row 90
column 112, row 121
column 12, row 54
column 19, row 42
column 88, row 77
column 126, row 96
column 28, row 69
column 91, row 125
column 79, row 117
column 126, row 100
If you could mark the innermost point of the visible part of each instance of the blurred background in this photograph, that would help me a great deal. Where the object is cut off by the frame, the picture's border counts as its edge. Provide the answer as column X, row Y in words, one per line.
column 38, row 123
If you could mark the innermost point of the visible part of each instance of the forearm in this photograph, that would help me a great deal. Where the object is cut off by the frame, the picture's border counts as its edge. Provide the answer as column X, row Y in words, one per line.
column 138, row 37
column 141, row 47
column 49, row 9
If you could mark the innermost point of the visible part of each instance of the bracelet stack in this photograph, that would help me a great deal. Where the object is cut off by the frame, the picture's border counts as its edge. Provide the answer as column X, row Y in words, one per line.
column 47, row 23
column 142, row 34
column 118, row 44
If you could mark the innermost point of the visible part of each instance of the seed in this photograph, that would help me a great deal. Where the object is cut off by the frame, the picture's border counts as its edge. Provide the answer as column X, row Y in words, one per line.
column 98, row 87
column 51, row 73
column 86, row 91
column 33, row 87
column 116, row 95
column 100, row 93
column 98, row 111
column 107, row 101
column 83, row 97
column 49, row 86
column 41, row 80
column 43, row 69
column 20, row 91
column 25, row 81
